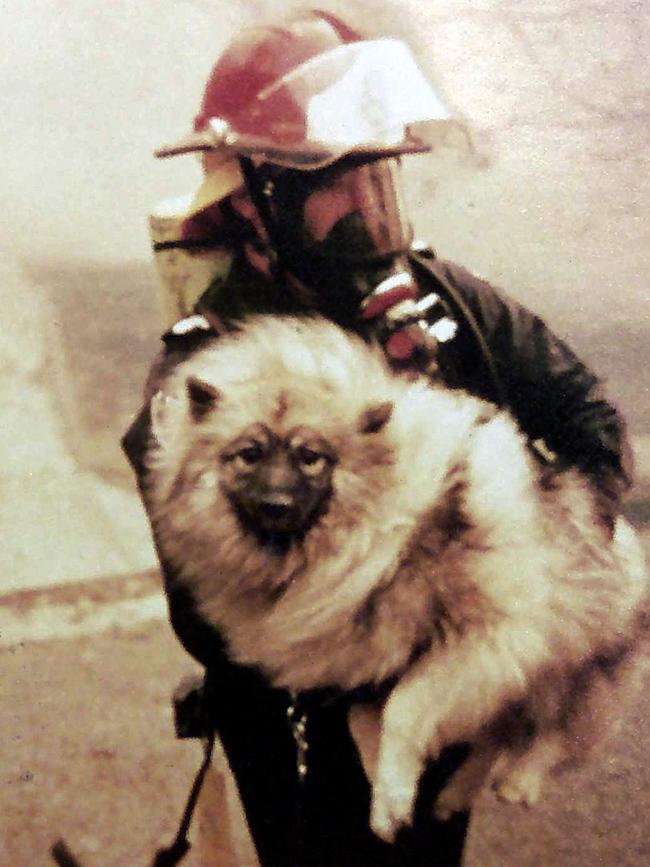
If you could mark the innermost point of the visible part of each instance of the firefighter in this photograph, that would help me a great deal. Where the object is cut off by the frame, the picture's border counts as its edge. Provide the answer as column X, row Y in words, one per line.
column 301, row 130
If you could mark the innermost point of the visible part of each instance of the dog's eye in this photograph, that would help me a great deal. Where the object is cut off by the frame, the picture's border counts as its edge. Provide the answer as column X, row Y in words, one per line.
column 312, row 462
column 250, row 455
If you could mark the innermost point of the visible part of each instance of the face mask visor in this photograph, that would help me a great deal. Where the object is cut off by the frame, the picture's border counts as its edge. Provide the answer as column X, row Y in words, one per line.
column 346, row 216
column 353, row 211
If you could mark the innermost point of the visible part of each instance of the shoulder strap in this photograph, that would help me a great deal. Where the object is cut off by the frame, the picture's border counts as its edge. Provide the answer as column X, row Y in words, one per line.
column 427, row 263
column 172, row 855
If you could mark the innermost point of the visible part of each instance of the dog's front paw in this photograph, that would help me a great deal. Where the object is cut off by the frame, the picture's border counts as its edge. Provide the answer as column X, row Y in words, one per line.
column 392, row 808
column 395, row 788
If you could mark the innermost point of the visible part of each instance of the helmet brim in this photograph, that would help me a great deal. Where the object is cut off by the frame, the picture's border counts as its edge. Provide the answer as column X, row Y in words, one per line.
column 195, row 142
column 304, row 156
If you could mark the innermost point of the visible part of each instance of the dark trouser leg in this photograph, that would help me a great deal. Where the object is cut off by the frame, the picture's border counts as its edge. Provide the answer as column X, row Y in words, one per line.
column 252, row 724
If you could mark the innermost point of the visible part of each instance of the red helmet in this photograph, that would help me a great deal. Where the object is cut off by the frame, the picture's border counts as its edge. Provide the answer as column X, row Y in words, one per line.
column 307, row 93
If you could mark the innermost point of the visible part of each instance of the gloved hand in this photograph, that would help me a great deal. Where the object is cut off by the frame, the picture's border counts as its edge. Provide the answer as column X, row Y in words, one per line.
column 406, row 321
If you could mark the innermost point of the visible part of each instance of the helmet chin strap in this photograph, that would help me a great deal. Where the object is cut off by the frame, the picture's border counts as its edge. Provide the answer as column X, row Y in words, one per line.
column 261, row 200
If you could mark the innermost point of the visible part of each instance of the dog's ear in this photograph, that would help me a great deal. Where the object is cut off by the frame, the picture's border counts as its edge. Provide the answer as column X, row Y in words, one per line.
column 203, row 397
column 375, row 417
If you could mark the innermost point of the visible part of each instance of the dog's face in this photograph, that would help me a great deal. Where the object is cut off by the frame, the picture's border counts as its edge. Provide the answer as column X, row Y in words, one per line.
column 274, row 469
column 278, row 483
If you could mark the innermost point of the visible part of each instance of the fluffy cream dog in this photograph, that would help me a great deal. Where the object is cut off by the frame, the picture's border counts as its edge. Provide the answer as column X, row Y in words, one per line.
column 343, row 525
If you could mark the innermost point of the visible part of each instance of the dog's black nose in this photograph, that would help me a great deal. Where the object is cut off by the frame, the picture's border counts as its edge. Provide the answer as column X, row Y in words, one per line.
column 278, row 512
column 275, row 510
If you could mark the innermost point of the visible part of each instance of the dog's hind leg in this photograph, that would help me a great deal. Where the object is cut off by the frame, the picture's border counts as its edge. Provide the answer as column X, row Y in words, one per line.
column 519, row 778
column 468, row 781
column 586, row 708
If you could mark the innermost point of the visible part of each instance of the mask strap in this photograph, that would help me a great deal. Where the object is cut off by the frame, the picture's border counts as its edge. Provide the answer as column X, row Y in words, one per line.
column 261, row 199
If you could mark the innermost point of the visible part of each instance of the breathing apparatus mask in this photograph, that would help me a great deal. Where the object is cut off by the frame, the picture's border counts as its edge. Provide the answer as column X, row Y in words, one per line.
column 333, row 225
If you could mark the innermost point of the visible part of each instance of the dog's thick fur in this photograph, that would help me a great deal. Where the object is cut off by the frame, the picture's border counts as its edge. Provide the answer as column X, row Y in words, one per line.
column 446, row 558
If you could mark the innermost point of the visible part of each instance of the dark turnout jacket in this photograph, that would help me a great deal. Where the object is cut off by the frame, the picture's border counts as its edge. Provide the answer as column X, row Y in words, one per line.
column 503, row 353
column 552, row 394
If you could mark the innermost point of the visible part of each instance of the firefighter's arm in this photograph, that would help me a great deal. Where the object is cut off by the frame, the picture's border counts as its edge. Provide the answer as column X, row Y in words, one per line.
column 554, row 395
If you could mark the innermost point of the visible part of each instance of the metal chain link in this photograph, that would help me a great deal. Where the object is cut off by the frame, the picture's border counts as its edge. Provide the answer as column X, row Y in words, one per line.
column 298, row 723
